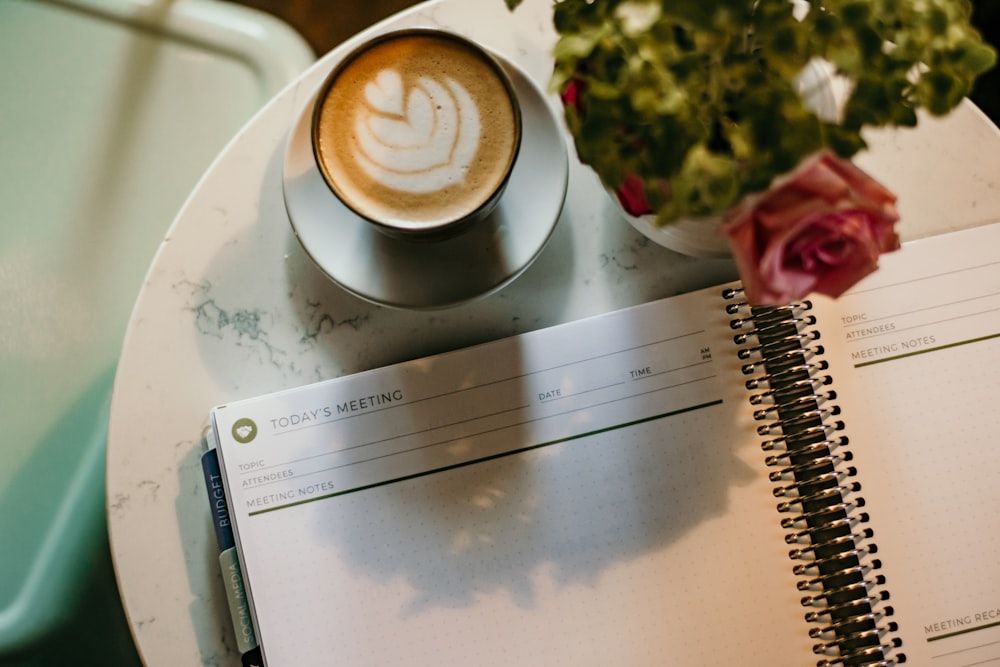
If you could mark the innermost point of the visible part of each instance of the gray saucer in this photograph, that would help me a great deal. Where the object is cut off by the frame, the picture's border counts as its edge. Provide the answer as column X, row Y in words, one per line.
column 414, row 275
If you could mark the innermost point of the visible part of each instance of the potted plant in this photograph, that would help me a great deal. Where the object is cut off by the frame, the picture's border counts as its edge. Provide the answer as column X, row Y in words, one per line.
column 741, row 117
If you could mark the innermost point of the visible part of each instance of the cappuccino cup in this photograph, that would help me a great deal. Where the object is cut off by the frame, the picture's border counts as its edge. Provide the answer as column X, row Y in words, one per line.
column 417, row 132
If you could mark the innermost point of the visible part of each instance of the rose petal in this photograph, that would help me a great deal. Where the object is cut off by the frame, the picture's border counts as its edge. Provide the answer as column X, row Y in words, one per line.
column 632, row 195
column 820, row 227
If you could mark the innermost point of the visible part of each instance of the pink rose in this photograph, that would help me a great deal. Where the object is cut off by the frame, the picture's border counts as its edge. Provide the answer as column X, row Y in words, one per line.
column 819, row 228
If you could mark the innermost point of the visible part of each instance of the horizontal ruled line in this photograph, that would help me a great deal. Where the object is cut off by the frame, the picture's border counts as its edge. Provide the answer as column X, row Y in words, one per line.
column 970, row 648
column 492, row 457
column 519, row 376
column 964, row 632
column 928, row 350
column 446, row 441
column 965, row 269
column 438, row 427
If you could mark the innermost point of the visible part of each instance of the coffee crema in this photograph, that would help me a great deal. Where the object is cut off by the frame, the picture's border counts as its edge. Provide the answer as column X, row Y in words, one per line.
column 417, row 130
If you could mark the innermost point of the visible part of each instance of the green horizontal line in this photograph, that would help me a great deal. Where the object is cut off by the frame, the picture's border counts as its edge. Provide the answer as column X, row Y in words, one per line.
column 963, row 632
column 928, row 350
column 483, row 459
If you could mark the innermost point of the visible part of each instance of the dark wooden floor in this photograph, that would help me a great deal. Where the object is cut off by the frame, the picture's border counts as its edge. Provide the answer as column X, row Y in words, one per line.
column 986, row 16
column 327, row 23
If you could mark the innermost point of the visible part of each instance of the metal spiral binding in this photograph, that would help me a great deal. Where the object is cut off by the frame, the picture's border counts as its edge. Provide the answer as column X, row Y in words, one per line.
column 821, row 507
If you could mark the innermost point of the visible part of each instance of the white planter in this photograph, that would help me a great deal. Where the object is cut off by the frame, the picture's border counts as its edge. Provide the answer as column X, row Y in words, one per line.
column 695, row 237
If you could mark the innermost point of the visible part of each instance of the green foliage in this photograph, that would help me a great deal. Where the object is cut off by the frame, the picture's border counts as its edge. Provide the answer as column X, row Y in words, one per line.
column 704, row 94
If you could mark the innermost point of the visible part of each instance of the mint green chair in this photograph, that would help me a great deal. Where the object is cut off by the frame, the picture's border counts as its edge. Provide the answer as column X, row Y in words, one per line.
column 110, row 111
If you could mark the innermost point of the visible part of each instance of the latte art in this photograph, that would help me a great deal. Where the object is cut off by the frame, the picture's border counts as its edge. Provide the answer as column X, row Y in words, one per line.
column 418, row 139
column 417, row 132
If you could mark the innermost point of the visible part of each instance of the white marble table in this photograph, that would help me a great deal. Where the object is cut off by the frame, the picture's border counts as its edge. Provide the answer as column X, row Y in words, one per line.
column 232, row 307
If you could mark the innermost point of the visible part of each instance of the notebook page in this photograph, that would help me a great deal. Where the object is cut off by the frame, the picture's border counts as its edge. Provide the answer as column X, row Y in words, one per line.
column 591, row 494
column 915, row 355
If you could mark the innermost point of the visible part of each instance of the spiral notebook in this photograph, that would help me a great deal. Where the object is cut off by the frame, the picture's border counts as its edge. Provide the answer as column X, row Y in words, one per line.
column 686, row 482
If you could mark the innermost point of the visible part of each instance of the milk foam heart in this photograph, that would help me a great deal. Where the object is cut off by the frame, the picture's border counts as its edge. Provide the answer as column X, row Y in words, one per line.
column 385, row 93
column 427, row 145
column 418, row 129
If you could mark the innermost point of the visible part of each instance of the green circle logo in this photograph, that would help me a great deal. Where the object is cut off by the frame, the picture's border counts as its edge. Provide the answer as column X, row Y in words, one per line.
column 244, row 430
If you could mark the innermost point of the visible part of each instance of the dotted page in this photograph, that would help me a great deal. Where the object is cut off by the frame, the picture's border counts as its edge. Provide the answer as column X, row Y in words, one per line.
column 915, row 356
column 590, row 494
